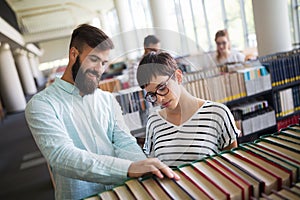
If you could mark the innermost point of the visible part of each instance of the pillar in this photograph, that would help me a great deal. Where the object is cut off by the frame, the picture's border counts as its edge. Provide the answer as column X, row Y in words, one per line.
column 163, row 28
column 272, row 26
column 127, row 29
column 34, row 64
column 24, row 70
column 159, row 17
column 10, row 86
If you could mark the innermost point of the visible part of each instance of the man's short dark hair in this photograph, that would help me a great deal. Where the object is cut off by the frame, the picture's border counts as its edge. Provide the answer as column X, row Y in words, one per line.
column 150, row 39
column 92, row 36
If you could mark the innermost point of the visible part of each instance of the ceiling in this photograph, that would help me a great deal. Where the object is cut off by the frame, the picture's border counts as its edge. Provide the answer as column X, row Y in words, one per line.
column 44, row 20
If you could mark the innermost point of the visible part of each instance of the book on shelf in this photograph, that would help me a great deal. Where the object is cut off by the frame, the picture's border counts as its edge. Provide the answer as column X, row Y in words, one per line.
column 294, row 127
column 284, row 143
column 234, row 188
column 285, row 193
column 154, row 189
column 203, row 181
column 256, row 79
column 278, row 149
column 256, row 183
column 137, row 189
column 108, row 195
column 233, row 176
column 294, row 168
column 173, row 189
column 287, row 137
column 284, row 173
column 254, row 115
column 123, row 192
column 283, row 67
column 193, row 189
column 291, row 132
column 271, row 180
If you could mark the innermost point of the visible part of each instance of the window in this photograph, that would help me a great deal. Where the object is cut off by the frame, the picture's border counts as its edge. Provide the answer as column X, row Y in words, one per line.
column 294, row 11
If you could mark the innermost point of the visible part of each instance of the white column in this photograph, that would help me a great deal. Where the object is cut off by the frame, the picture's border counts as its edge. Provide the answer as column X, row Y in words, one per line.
column 272, row 26
column 34, row 64
column 103, row 22
column 159, row 9
column 24, row 70
column 10, row 86
column 127, row 29
column 164, row 28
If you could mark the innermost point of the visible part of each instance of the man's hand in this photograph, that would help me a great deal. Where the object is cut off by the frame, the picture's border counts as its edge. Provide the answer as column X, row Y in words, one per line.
column 151, row 165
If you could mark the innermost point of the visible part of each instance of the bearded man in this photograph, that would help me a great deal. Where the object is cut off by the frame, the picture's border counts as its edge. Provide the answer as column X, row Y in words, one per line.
column 80, row 129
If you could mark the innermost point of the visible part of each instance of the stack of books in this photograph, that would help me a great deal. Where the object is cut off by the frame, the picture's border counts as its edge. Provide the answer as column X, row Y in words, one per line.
column 267, row 168
column 283, row 66
column 252, row 116
column 134, row 106
column 228, row 86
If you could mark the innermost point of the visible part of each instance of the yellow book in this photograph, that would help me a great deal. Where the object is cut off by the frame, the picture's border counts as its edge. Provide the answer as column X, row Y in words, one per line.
column 123, row 192
column 108, row 195
column 137, row 189
column 154, row 189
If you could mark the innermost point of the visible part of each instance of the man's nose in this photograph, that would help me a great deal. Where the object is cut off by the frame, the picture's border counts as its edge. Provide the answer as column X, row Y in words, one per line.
column 99, row 68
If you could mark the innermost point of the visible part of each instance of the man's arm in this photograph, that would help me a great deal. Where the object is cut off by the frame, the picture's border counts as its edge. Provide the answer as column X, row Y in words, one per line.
column 60, row 152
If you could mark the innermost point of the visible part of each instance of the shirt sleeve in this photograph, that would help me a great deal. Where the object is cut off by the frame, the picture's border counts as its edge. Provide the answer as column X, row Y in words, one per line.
column 66, row 159
column 148, row 145
column 124, row 143
column 230, row 131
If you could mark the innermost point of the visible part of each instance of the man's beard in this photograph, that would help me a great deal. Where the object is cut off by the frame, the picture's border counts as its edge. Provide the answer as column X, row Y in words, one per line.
column 85, row 84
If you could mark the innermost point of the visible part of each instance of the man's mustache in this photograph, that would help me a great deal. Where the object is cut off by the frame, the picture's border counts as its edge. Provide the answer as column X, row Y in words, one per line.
column 94, row 72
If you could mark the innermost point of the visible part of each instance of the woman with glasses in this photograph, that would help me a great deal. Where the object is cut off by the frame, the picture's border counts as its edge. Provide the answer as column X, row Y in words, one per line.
column 186, row 128
column 224, row 54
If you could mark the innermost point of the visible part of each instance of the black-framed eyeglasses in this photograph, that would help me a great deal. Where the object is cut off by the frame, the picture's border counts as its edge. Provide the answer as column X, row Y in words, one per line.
column 161, row 89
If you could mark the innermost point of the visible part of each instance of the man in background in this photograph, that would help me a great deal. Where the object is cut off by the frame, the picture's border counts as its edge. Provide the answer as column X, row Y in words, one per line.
column 151, row 43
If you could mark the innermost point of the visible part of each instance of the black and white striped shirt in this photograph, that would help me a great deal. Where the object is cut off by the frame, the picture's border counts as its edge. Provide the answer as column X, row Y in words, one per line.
column 206, row 133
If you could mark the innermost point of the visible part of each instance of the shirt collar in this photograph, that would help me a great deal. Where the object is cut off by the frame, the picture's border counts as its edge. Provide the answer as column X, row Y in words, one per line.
column 68, row 87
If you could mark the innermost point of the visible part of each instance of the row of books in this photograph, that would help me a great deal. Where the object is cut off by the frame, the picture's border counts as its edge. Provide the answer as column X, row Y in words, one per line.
column 265, row 168
column 257, row 121
column 229, row 86
column 283, row 66
column 287, row 101
column 110, row 85
column 250, row 106
column 134, row 106
column 288, row 121
column 253, row 116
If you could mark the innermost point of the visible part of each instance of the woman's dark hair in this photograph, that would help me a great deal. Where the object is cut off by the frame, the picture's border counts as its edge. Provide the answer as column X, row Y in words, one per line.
column 153, row 65
column 92, row 36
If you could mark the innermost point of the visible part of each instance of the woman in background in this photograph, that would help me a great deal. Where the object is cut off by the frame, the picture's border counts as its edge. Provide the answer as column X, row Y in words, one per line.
column 186, row 128
column 224, row 54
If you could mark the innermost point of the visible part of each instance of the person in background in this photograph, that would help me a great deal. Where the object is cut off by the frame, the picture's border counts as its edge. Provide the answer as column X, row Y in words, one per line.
column 224, row 53
column 186, row 128
column 151, row 43
column 80, row 129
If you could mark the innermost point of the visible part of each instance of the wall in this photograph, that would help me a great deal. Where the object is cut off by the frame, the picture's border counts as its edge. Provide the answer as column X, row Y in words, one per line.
column 54, row 49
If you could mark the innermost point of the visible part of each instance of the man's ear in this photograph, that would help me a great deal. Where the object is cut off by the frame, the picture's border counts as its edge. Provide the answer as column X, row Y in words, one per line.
column 73, row 53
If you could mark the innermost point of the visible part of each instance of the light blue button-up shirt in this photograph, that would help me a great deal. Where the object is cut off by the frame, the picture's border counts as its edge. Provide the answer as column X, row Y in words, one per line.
column 84, row 139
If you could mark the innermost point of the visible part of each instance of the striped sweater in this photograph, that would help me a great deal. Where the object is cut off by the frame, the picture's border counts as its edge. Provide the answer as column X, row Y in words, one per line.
column 207, row 132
